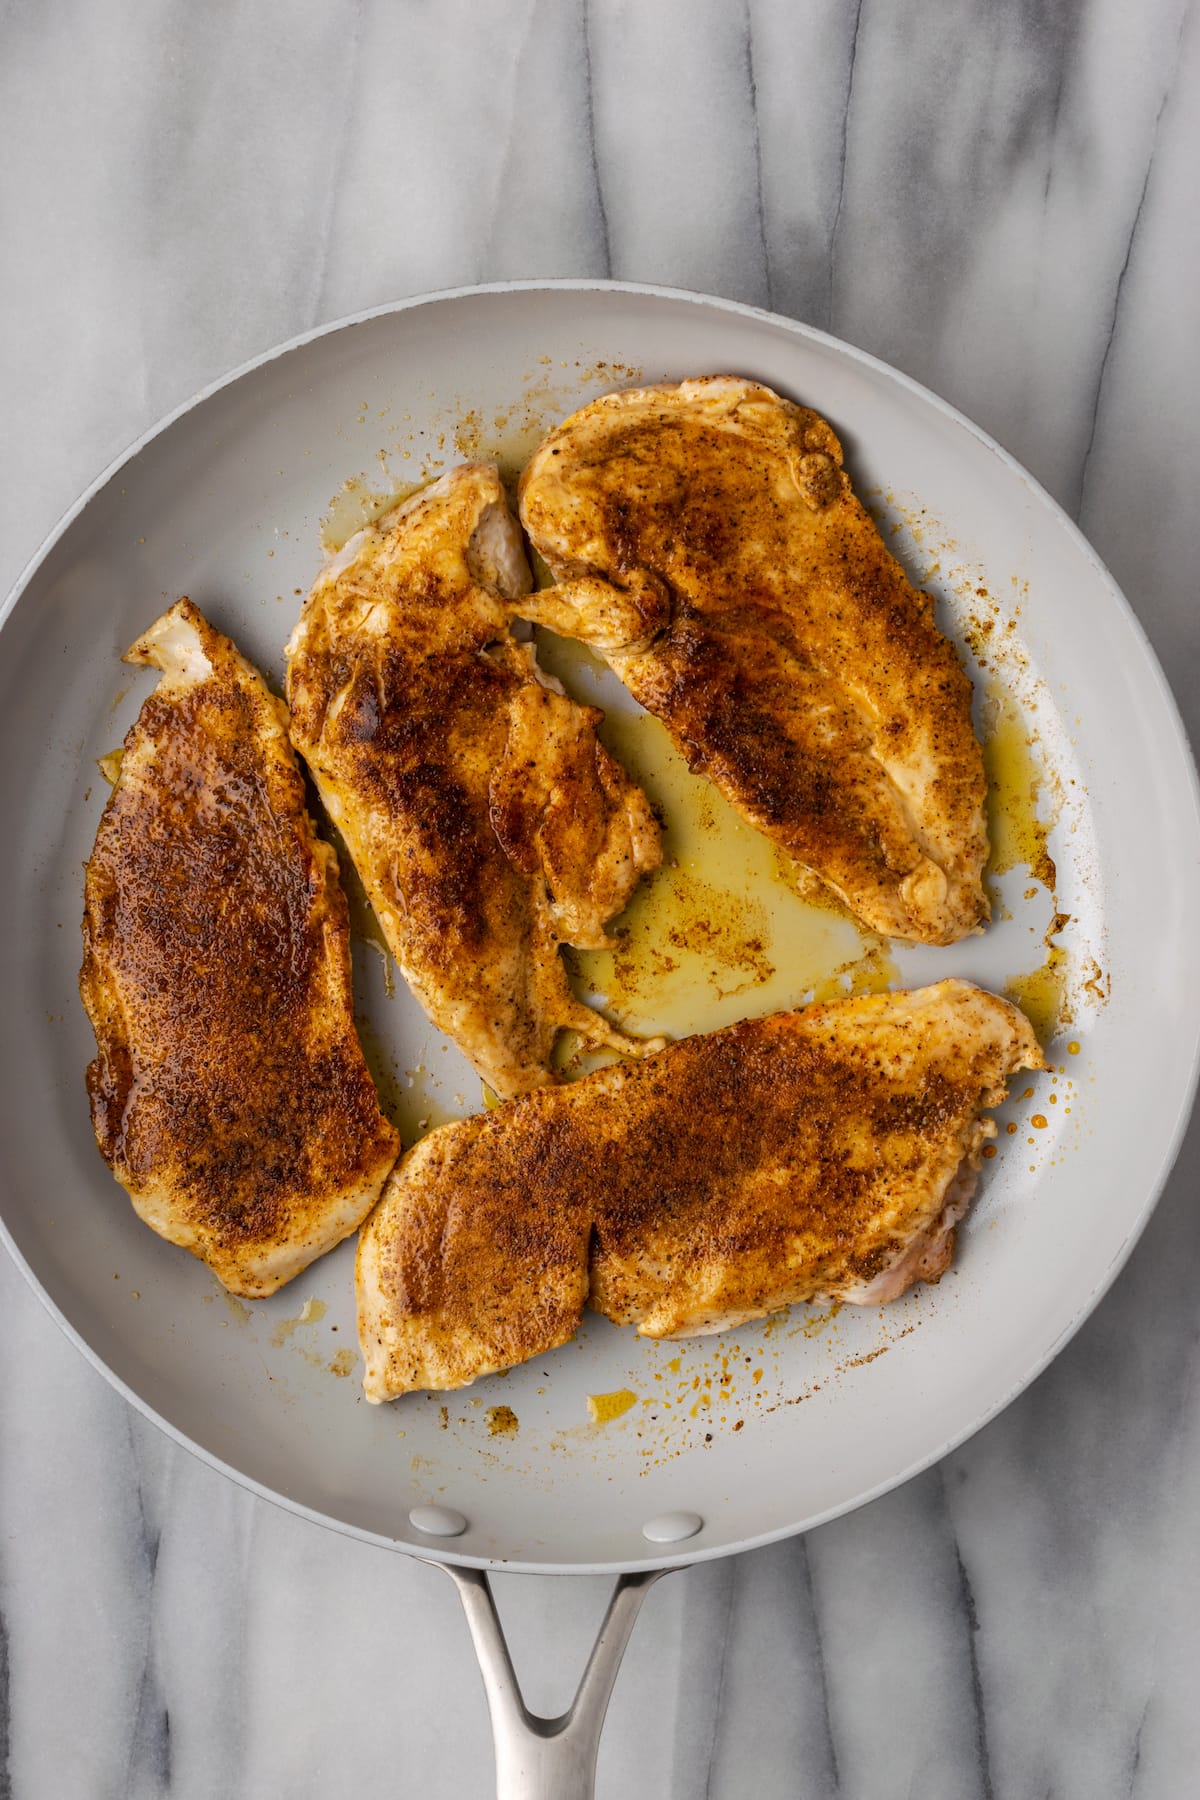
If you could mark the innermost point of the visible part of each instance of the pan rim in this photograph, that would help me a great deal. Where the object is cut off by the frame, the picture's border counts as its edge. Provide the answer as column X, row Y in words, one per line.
column 1171, row 725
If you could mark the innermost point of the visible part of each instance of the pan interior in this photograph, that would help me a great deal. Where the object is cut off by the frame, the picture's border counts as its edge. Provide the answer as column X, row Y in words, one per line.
column 762, row 1431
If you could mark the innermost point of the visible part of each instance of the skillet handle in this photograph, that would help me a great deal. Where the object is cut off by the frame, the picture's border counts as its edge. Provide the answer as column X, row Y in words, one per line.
column 536, row 1758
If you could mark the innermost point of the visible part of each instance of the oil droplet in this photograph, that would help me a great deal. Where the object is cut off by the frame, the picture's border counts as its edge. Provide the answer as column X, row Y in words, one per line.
column 502, row 1421
column 1039, row 1121
column 1073, row 1049
column 342, row 1364
column 604, row 1407
column 989, row 1150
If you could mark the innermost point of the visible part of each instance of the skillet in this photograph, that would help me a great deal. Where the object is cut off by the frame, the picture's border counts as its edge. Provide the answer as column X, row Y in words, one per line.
column 729, row 1442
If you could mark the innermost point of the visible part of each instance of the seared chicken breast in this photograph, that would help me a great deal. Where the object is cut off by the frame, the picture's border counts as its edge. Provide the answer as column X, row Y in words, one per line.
column 229, row 1093
column 707, row 542
column 486, row 819
column 821, row 1154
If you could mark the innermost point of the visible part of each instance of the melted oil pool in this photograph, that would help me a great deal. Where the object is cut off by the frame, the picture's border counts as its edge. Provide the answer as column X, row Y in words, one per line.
column 356, row 505
column 1041, row 995
column 1018, row 833
column 719, row 933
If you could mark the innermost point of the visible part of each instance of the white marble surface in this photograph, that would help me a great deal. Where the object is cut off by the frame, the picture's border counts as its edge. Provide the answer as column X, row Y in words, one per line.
column 999, row 197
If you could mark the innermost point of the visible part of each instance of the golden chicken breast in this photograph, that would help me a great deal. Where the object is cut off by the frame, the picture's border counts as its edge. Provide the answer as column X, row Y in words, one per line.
column 229, row 1093
column 707, row 542
column 822, row 1154
column 486, row 819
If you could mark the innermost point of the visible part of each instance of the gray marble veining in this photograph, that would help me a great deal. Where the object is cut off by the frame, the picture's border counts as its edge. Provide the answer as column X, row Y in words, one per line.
column 998, row 196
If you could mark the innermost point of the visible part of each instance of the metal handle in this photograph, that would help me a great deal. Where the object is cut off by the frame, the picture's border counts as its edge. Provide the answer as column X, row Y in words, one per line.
column 536, row 1758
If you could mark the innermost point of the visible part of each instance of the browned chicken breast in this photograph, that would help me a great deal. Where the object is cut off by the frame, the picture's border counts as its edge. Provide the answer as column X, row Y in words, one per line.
column 487, row 821
column 229, row 1093
column 822, row 1154
column 707, row 542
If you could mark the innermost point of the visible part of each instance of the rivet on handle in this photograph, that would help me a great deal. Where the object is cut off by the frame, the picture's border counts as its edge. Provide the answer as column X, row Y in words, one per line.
column 672, row 1527
column 438, row 1521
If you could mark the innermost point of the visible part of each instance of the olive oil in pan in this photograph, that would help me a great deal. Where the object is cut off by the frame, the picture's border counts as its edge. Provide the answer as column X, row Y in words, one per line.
column 1019, row 839
column 719, row 933
column 1041, row 995
column 356, row 505
column 1018, row 835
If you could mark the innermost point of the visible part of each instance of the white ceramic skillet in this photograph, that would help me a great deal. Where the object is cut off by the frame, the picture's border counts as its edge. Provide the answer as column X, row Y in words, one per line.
column 730, row 1442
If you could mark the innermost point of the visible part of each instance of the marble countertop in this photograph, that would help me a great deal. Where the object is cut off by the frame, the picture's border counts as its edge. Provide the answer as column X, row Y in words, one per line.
column 999, row 198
